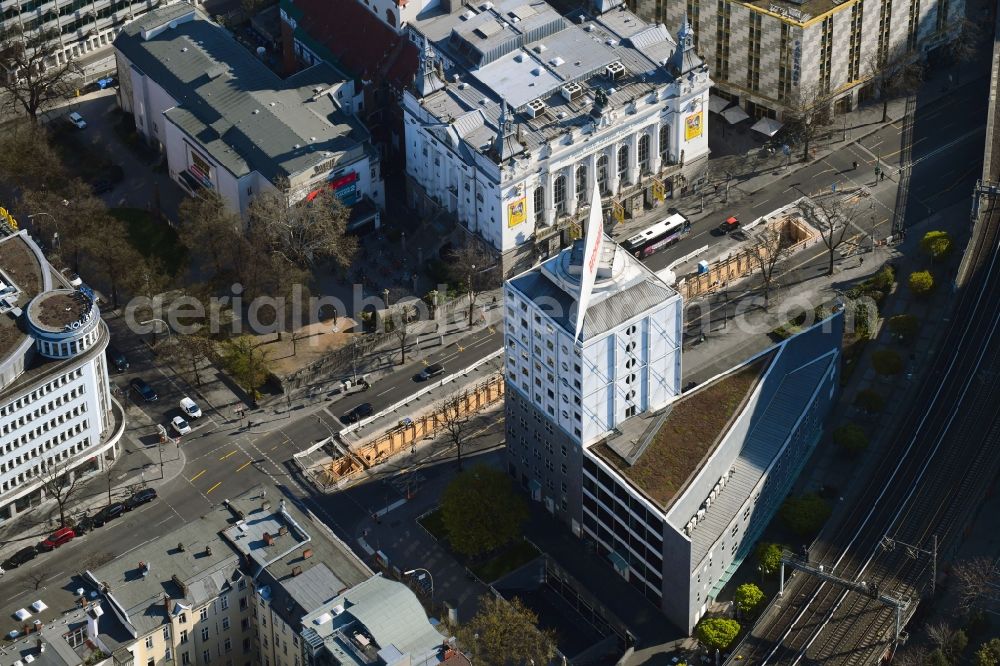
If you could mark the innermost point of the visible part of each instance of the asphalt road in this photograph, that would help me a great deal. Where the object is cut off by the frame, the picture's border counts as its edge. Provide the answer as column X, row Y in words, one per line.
column 947, row 140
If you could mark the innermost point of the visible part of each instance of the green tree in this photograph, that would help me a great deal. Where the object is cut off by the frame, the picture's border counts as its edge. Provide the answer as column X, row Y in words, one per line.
column 937, row 244
column 988, row 653
column 481, row 510
column 904, row 326
column 247, row 363
column 747, row 597
column 884, row 279
column 768, row 557
column 717, row 633
column 851, row 437
column 921, row 282
column 938, row 658
column 506, row 633
column 870, row 400
column 956, row 646
column 805, row 515
column 887, row 362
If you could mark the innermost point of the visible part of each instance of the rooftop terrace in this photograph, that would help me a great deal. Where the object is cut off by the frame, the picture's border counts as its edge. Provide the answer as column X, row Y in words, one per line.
column 20, row 265
column 669, row 453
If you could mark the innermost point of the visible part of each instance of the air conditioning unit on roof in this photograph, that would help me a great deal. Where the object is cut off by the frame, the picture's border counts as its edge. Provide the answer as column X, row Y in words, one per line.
column 571, row 91
column 615, row 70
column 536, row 107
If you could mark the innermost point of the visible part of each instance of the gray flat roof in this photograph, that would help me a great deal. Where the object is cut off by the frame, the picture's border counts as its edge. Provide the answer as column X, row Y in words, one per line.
column 230, row 103
column 533, row 58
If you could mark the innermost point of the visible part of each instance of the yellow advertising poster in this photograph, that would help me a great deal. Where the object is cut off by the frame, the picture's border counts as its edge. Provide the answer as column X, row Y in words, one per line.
column 617, row 212
column 659, row 191
column 693, row 125
column 517, row 212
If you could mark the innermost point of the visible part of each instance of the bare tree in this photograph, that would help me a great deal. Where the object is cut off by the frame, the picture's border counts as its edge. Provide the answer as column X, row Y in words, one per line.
column 456, row 422
column 940, row 634
column 60, row 484
column 187, row 352
column 893, row 74
column 809, row 115
column 32, row 77
column 398, row 322
column 832, row 216
column 212, row 234
column 306, row 232
column 70, row 219
column 912, row 655
column 475, row 270
column 772, row 246
column 27, row 158
column 112, row 256
column 965, row 46
column 975, row 579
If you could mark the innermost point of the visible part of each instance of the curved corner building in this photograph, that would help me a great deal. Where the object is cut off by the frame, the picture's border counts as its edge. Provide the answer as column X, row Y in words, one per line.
column 57, row 416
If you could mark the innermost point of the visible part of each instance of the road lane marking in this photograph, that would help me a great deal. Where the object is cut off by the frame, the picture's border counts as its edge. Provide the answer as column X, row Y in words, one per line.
column 229, row 454
column 388, row 390
column 213, row 487
column 197, row 475
column 240, row 468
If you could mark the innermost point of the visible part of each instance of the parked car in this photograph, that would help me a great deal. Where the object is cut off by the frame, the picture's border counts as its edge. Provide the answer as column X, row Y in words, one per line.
column 57, row 538
column 180, row 426
column 22, row 556
column 432, row 370
column 190, row 408
column 117, row 358
column 363, row 410
column 77, row 120
column 143, row 496
column 109, row 513
column 730, row 225
column 73, row 279
column 145, row 390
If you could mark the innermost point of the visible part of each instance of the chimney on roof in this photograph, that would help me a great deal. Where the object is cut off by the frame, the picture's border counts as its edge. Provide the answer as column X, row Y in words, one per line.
column 307, row 553
column 93, row 615
column 180, row 546
column 265, row 506
column 268, row 539
column 282, row 531
column 41, row 645
column 208, row 550
column 281, row 505
column 166, row 604
column 296, row 570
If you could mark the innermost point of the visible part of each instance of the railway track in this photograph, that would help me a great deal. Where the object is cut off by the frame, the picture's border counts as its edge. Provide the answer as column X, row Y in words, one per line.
column 941, row 461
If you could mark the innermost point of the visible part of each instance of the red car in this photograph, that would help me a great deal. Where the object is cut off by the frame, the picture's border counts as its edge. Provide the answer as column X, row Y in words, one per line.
column 58, row 538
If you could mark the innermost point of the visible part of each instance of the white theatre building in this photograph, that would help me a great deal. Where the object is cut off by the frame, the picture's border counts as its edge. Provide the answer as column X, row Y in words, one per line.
column 673, row 489
column 57, row 415
column 518, row 114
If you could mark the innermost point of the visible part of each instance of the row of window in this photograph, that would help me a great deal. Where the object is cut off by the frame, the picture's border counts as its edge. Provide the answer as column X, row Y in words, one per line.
column 21, row 421
column 33, row 397
column 39, row 469
column 24, row 456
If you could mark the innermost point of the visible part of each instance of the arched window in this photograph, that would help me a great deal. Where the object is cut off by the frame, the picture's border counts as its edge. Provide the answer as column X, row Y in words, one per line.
column 602, row 174
column 665, row 144
column 622, row 162
column 559, row 195
column 390, row 18
column 581, row 184
column 539, row 202
column 644, row 153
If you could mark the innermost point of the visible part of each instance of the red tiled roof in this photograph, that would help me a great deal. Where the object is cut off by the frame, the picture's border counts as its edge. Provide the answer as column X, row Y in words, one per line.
column 362, row 42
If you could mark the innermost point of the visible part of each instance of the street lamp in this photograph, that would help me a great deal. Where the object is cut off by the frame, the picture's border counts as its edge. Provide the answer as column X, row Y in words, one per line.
column 429, row 576
column 165, row 326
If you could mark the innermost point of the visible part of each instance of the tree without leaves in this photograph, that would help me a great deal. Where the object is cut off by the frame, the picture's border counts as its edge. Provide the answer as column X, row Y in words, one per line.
column 912, row 655
column 808, row 115
column 940, row 634
column 112, row 256
column 78, row 223
column 894, row 73
column 211, row 232
column 306, row 232
column 474, row 269
column 481, row 511
column 32, row 79
column 833, row 217
column 455, row 421
column 27, row 158
column 60, row 484
column 399, row 315
column 186, row 353
column 974, row 581
column 772, row 246
column 965, row 46
column 506, row 634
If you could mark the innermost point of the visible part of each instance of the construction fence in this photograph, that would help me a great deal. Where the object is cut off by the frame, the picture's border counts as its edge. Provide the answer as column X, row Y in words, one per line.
column 721, row 274
column 344, row 469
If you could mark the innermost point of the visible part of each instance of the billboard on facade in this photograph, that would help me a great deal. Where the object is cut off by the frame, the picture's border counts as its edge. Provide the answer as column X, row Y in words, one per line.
column 659, row 189
column 693, row 125
column 517, row 212
column 592, row 242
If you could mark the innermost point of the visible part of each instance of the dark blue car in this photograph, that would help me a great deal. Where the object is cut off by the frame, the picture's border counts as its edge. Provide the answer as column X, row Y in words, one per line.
column 145, row 390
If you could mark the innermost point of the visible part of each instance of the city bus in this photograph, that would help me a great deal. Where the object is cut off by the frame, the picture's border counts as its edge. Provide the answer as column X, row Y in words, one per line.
column 662, row 234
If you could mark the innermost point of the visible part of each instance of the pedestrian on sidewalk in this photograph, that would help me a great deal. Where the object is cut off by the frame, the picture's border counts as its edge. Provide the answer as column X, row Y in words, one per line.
column 855, row 165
